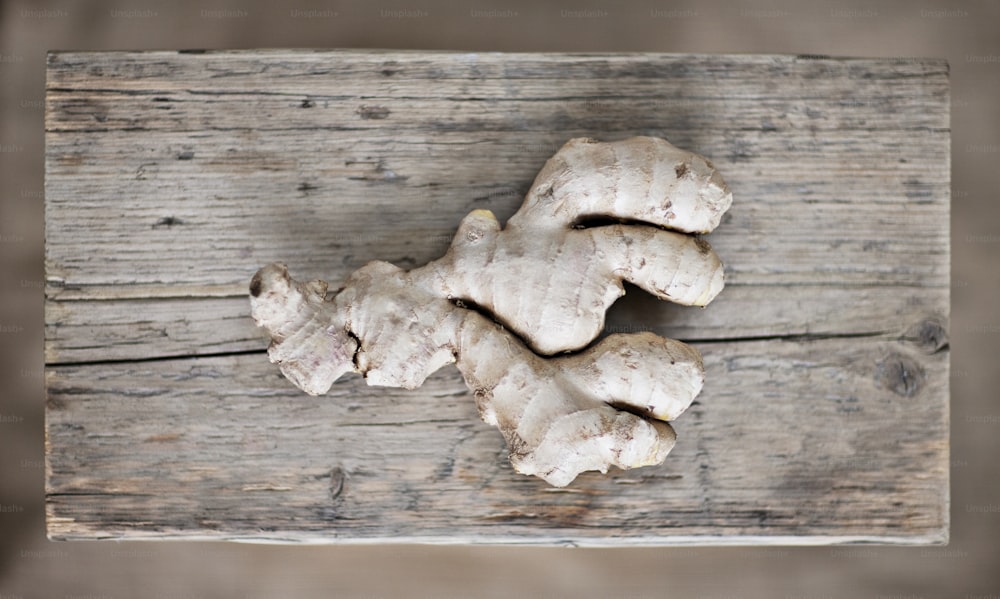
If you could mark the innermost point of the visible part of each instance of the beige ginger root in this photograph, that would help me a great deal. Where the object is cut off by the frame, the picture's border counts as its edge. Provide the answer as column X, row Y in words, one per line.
column 591, row 220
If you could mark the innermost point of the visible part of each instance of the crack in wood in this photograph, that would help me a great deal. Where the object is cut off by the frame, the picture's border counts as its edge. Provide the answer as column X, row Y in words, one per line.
column 786, row 337
column 791, row 337
column 226, row 354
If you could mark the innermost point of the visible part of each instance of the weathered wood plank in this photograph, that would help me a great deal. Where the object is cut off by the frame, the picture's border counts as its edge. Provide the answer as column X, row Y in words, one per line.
column 196, row 224
column 162, row 187
column 170, row 178
column 789, row 442
column 865, row 148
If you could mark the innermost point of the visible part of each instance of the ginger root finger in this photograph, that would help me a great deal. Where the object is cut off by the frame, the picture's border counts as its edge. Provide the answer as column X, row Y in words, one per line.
column 645, row 178
column 640, row 372
column 674, row 267
column 308, row 341
column 593, row 440
column 563, row 416
column 553, row 412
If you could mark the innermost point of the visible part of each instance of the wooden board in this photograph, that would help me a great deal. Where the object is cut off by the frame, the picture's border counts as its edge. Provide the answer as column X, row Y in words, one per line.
column 172, row 176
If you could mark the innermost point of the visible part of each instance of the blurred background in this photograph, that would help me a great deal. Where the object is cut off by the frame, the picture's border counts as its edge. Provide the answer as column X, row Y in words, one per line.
column 966, row 33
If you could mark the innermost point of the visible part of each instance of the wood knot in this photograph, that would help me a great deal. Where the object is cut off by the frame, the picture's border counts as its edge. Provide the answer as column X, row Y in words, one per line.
column 370, row 112
column 167, row 222
column 337, row 478
column 929, row 335
column 900, row 374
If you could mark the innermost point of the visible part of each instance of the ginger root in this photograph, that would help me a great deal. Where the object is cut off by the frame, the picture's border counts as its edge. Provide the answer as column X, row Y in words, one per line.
column 594, row 217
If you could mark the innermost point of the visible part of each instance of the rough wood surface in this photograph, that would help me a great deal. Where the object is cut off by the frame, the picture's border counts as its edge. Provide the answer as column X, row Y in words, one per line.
column 171, row 177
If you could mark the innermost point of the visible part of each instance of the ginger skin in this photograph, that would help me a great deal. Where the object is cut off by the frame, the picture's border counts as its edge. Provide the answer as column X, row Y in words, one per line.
column 547, row 279
column 556, row 414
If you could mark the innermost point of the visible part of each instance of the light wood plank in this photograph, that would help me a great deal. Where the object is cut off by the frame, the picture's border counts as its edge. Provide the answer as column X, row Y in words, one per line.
column 823, row 178
column 171, row 177
column 789, row 442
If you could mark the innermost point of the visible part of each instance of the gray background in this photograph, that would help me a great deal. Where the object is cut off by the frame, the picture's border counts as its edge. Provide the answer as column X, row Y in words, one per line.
column 967, row 34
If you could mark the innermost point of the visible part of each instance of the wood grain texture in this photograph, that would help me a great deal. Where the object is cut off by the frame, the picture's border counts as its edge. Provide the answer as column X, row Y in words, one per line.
column 171, row 177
